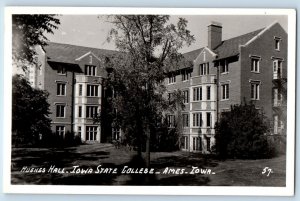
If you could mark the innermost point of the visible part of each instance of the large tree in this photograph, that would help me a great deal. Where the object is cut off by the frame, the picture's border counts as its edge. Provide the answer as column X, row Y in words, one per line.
column 149, row 47
column 27, row 32
column 30, row 112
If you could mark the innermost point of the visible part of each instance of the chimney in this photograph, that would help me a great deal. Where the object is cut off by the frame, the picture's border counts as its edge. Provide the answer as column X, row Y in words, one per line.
column 214, row 35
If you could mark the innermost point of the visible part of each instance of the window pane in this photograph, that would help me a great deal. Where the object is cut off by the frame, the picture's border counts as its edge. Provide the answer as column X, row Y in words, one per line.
column 208, row 93
column 80, row 90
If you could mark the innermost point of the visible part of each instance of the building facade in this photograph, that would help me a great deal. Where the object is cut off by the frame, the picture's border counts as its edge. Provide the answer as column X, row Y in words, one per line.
column 250, row 67
column 73, row 76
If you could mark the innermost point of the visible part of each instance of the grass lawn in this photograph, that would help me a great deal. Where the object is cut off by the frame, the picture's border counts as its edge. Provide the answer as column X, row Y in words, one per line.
column 223, row 173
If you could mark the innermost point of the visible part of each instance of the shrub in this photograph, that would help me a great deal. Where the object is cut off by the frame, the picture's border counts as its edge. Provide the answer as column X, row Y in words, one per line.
column 242, row 133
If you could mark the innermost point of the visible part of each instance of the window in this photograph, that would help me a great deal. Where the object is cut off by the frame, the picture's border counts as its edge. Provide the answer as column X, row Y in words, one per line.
column 92, row 90
column 197, row 145
column 224, row 91
column 91, row 133
column 90, row 70
column 172, row 79
column 208, row 119
column 277, row 43
column 79, row 131
column 208, row 92
column 170, row 96
column 277, row 68
column 224, row 66
column 185, row 75
column 197, row 119
column 116, row 133
column 204, row 69
column 60, row 130
column 185, row 142
column 255, row 91
column 80, row 90
column 255, row 65
column 91, row 59
column 91, row 111
column 61, row 89
column 79, row 111
column 278, row 97
column 171, row 121
column 197, row 93
column 208, row 144
column 60, row 110
column 61, row 70
column 185, row 120
column 186, row 96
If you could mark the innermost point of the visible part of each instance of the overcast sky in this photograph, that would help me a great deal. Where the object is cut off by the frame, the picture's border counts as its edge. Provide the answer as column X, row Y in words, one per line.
column 90, row 31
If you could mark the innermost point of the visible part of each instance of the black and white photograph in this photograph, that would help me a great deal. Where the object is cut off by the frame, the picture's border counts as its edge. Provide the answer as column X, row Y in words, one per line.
column 150, row 101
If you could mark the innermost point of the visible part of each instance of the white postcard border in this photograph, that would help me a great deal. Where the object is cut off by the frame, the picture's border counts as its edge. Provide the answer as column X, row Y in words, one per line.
column 152, row 190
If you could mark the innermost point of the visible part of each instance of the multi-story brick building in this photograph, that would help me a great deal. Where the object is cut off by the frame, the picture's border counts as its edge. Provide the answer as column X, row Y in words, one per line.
column 250, row 67
column 73, row 76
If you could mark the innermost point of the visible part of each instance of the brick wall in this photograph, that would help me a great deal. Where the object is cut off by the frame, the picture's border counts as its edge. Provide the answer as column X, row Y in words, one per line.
column 263, row 47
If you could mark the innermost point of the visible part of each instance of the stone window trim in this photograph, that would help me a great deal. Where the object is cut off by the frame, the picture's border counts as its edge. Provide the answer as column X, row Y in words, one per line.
column 255, row 58
column 277, row 40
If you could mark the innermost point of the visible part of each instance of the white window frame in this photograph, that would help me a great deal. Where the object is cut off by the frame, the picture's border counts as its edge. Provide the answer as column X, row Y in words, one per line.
column 255, row 90
column 197, row 120
column 225, row 88
column 204, row 69
column 277, row 41
column 91, row 111
column 172, row 79
column 185, row 76
column 61, row 70
column 91, row 133
column 224, row 67
column 90, row 70
column 80, row 111
column 185, row 140
column 197, row 144
column 116, row 133
column 79, row 131
column 186, row 96
column 255, row 64
column 60, row 130
column 208, row 92
column 80, row 89
column 171, row 120
column 277, row 67
column 197, row 94
column 208, row 119
column 61, row 88
column 208, row 144
column 58, row 111
column 185, row 120
column 92, row 90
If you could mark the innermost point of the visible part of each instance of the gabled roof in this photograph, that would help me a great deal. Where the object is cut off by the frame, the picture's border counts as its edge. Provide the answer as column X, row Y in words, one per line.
column 189, row 57
column 230, row 47
column 65, row 53
column 227, row 48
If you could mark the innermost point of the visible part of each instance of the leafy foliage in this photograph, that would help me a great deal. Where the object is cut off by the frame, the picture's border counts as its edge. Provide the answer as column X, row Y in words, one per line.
column 149, row 47
column 30, row 110
column 242, row 133
column 28, row 31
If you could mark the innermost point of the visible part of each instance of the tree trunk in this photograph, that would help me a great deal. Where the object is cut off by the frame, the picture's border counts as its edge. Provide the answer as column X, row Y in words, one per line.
column 148, row 136
column 139, row 136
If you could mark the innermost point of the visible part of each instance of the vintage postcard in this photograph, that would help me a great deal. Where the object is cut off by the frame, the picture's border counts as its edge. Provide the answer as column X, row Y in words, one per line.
column 159, row 101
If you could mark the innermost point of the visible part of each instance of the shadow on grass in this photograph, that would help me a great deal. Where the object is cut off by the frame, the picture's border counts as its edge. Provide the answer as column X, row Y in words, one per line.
column 65, row 157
